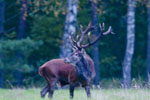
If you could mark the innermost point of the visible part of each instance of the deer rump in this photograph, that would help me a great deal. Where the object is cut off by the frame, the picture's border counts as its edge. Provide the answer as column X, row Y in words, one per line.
column 57, row 70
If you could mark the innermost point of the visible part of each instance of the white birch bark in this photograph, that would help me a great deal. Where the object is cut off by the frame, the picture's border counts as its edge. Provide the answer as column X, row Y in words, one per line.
column 70, row 26
column 130, row 44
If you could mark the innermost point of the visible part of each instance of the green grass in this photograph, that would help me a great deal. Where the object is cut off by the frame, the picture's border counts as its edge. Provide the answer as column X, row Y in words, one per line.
column 102, row 94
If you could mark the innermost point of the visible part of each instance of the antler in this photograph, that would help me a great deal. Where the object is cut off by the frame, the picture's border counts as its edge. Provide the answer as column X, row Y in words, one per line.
column 77, row 44
column 88, row 29
column 73, row 42
column 101, row 34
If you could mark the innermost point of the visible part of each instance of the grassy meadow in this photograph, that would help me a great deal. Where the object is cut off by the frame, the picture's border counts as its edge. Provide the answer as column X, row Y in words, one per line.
column 102, row 94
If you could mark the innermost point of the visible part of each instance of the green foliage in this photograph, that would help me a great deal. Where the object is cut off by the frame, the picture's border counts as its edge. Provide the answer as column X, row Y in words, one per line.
column 10, row 57
column 139, row 67
column 111, row 65
column 45, row 29
column 24, row 45
column 48, row 7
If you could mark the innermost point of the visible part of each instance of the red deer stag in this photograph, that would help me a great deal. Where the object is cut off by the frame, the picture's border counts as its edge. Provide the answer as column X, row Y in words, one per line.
column 78, row 68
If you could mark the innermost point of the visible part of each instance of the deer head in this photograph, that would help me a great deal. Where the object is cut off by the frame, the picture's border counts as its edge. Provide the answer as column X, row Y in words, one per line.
column 78, row 47
column 78, row 58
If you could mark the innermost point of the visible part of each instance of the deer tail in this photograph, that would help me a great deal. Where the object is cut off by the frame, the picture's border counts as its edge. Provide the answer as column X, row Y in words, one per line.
column 41, row 70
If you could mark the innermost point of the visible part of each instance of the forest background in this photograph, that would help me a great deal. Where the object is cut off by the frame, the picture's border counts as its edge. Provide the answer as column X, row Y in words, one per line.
column 31, row 33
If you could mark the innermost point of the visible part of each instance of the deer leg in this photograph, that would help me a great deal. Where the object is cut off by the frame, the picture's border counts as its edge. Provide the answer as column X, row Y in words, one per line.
column 52, row 87
column 44, row 91
column 87, row 89
column 72, row 86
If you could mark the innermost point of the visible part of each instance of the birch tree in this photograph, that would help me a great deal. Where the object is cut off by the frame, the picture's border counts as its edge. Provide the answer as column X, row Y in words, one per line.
column 70, row 26
column 130, row 44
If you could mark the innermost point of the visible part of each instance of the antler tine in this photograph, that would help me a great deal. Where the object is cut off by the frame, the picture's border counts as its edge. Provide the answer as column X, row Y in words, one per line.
column 108, row 31
column 73, row 38
column 77, row 37
column 82, row 34
column 102, row 33
column 89, row 36
column 88, row 29
column 74, row 41
column 71, row 42
column 81, row 29
column 101, row 27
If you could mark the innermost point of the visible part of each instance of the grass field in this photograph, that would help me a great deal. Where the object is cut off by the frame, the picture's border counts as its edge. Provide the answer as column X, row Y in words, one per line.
column 102, row 94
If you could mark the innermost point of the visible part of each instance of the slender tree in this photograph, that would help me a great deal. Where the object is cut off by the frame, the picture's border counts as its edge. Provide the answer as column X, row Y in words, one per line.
column 70, row 26
column 95, row 49
column 148, row 42
column 20, row 35
column 2, row 20
column 24, row 7
column 2, row 16
column 130, row 44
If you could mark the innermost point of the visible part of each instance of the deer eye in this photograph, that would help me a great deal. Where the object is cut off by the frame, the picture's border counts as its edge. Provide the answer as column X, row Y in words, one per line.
column 76, row 54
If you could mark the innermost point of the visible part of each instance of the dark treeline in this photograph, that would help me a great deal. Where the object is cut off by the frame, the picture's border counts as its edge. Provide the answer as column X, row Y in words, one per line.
column 35, row 31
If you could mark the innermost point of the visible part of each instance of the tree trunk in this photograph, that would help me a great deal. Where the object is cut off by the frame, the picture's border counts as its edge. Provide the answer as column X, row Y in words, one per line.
column 2, row 16
column 2, row 20
column 95, row 50
column 130, row 44
column 18, row 77
column 2, row 78
column 23, row 16
column 70, row 26
column 148, row 42
column 20, row 35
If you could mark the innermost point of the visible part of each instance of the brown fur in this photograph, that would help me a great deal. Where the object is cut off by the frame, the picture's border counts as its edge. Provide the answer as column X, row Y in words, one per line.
column 57, row 70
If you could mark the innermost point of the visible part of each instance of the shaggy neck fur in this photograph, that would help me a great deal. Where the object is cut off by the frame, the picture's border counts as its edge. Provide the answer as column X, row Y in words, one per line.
column 82, row 68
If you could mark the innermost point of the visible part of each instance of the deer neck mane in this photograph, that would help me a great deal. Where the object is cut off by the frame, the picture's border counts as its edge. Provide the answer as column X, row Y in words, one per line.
column 82, row 68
